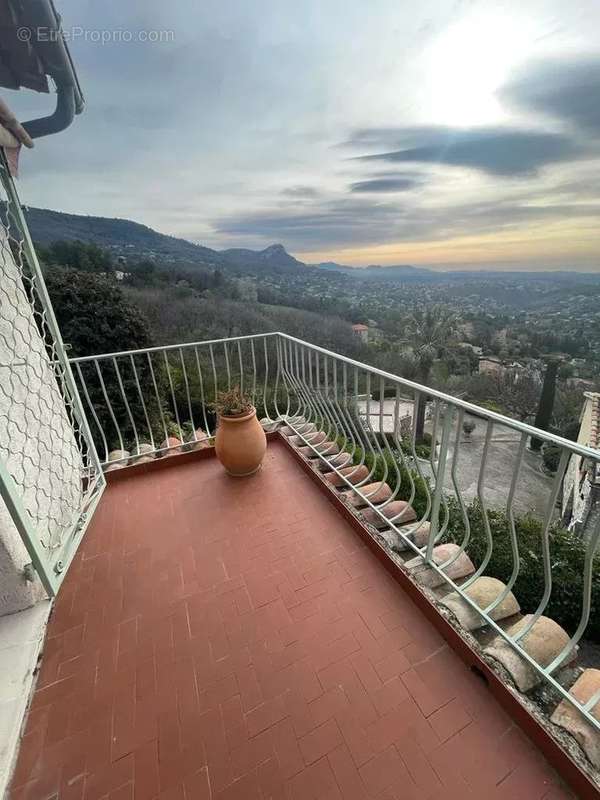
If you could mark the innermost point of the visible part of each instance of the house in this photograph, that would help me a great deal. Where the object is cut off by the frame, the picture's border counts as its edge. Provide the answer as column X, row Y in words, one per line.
column 362, row 331
column 581, row 486
column 490, row 366
column 300, row 633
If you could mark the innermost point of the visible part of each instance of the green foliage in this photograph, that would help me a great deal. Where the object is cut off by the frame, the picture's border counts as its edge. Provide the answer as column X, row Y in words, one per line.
column 94, row 317
column 567, row 551
column 93, row 314
column 571, row 430
column 84, row 256
column 567, row 556
column 544, row 412
column 551, row 456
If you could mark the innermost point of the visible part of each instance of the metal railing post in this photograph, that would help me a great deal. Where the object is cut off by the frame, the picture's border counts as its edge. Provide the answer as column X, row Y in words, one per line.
column 439, row 482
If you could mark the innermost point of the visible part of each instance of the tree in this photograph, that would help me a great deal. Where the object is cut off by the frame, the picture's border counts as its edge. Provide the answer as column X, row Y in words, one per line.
column 429, row 332
column 83, row 256
column 95, row 317
column 567, row 411
column 93, row 314
column 546, row 406
column 516, row 392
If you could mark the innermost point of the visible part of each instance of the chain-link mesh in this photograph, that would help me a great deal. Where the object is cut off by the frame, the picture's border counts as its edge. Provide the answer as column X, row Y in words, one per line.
column 44, row 444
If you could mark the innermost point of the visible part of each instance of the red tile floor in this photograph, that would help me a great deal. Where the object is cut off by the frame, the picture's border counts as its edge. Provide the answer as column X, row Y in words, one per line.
column 222, row 638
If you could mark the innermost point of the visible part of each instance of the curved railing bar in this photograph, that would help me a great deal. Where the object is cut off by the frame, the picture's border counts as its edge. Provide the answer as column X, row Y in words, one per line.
column 175, row 408
column 463, row 510
column 143, row 402
column 484, row 512
column 512, row 529
column 239, row 349
column 187, row 392
column 384, row 436
column 158, row 400
column 349, row 425
column 92, row 409
column 556, row 487
column 590, row 552
column 109, row 405
column 126, row 403
column 400, row 450
column 254, row 374
column 202, row 397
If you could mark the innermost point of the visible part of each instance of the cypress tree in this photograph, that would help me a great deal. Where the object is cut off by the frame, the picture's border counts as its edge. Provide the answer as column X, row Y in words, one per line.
column 546, row 405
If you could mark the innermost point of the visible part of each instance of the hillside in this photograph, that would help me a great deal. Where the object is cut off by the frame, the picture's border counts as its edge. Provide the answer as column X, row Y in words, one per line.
column 135, row 241
column 122, row 236
column 274, row 256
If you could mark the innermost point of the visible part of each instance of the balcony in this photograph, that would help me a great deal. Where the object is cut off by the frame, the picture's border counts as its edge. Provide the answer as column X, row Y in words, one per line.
column 339, row 625
column 224, row 638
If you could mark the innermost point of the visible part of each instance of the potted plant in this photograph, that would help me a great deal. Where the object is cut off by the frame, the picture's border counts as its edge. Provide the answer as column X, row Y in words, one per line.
column 468, row 427
column 240, row 442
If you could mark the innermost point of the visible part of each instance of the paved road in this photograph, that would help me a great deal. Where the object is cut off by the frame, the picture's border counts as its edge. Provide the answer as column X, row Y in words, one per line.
column 533, row 488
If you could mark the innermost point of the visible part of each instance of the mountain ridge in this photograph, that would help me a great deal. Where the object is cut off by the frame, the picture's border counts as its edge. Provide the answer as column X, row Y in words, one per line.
column 130, row 239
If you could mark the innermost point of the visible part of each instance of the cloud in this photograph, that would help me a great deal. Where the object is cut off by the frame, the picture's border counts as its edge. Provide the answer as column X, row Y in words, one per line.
column 300, row 192
column 564, row 89
column 329, row 221
column 242, row 111
column 385, row 185
column 495, row 150
column 357, row 221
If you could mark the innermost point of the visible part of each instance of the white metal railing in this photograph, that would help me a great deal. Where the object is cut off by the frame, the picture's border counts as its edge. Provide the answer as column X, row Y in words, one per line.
column 146, row 397
column 160, row 397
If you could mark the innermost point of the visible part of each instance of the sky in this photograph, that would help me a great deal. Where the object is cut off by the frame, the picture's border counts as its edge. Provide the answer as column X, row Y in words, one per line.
column 444, row 133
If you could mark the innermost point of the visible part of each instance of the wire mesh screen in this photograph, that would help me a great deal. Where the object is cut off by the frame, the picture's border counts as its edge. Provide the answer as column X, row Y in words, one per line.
column 50, row 470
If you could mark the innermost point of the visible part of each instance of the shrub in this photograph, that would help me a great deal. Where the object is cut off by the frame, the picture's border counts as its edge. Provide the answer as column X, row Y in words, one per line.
column 567, row 550
column 551, row 457
column 567, row 556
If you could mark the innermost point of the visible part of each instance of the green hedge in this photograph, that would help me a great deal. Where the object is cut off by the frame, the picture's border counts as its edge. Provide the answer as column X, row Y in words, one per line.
column 567, row 557
column 567, row 551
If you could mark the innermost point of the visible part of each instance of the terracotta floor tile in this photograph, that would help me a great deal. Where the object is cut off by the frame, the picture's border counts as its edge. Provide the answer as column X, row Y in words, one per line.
column 320, row 741
column 384, row 771
column 449, row 719
column 217, row 638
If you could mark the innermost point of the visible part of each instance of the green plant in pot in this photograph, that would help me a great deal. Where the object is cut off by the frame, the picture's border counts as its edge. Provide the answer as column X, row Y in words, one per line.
column 240, row 442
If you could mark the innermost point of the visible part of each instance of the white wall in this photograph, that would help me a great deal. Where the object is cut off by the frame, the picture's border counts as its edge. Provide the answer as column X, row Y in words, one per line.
column 576, row 486
column 36, row 440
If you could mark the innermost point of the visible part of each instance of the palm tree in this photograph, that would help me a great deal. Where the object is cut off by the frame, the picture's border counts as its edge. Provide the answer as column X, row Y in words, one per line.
column 428, row 332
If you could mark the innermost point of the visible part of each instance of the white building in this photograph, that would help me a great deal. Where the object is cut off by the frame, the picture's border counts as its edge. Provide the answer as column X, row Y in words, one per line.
column 581, row 487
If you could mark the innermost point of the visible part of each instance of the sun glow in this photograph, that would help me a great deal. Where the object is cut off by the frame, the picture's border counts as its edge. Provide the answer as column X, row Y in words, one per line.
column 468, row 62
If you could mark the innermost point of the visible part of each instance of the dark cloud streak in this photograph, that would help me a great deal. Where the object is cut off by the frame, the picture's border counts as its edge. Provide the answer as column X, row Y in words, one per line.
column 384, row 185
column 565, row 90
column 500, row 151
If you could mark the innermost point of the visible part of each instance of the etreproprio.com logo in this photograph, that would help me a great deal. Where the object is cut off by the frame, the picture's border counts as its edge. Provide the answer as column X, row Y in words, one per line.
column 95, row 35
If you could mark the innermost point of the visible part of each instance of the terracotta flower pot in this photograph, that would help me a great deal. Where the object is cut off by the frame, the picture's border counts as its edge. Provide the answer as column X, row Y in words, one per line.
column 240, row 443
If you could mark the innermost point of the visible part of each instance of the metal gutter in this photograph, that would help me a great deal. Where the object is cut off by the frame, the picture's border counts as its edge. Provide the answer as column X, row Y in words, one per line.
column 54, row 54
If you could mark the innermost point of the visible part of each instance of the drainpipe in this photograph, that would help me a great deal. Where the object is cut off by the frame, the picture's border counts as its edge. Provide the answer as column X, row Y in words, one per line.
column 62, row 117
column 40, row 15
